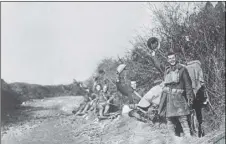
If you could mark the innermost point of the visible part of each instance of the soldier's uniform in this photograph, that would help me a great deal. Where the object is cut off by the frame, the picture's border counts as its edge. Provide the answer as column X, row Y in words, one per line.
column 84, row 105
column 102, row 96
column 102, row 103
column 124, row 87
column 178, row 94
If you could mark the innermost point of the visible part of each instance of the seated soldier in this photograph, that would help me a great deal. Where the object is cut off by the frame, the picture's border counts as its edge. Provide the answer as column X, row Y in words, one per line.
column 104, row 99
column 93, row 102
column 152, row 97
column 149, row 102
column 85, row 110
column 97, row 97
column 102, row 102
column 83, row 106
column 106, row 105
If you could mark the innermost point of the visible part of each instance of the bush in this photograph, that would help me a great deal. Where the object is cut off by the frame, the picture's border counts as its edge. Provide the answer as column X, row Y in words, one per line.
column 195, row 35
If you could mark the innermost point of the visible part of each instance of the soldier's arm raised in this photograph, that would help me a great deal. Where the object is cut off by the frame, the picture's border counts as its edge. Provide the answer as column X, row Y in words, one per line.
column 156, row 62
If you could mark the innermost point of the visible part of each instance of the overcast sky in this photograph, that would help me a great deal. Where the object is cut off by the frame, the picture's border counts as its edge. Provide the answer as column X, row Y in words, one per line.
column 55, row 42
column 52, row 43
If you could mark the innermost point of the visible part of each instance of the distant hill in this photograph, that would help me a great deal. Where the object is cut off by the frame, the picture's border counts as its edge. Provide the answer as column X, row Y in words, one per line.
column 13, row 94
column 35, row 91
column 9, row 99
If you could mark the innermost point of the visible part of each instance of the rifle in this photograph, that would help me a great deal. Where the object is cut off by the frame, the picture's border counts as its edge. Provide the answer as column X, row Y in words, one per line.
column 137, row 94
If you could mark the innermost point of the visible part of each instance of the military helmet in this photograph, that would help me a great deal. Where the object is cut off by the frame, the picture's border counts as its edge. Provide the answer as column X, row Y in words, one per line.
column 120, row 68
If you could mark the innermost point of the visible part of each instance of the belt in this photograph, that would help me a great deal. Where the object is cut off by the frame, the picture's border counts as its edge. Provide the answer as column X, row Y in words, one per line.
column 172, row 91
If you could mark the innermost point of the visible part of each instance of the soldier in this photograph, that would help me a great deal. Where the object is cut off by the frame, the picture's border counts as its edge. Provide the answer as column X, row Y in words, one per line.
column 124, row 86
column 98, row 90
column 100, row 99
column 196, row 74
column 84, row 105
column 178, row 95
column 104, row 101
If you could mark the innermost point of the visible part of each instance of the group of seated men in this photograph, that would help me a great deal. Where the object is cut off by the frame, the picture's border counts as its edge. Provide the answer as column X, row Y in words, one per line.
column 98, row 100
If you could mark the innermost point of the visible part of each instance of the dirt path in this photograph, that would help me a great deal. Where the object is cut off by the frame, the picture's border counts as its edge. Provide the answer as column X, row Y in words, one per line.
column 40, row 122
column 53, row 123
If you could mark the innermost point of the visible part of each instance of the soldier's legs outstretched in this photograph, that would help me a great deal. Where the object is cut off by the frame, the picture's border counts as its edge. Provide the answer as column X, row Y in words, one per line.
column 101, row 109
column 81, row 107
column 106, row 109
column 86, row 108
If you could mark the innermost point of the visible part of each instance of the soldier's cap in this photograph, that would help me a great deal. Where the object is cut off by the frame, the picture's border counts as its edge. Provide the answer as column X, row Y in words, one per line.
column 151, row 41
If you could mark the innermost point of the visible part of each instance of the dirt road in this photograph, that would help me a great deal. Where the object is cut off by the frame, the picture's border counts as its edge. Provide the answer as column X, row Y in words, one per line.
column 52, row 123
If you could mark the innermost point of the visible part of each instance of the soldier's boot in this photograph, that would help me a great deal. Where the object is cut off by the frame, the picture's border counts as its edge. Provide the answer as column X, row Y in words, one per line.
column 74, row 111
column 200, row 120
column 170, row 127
column 81, row 107
column 106, row 109
column 138, row 115
column 172, row 138
column 200, row 131
column 77, row 112
column 185, row 125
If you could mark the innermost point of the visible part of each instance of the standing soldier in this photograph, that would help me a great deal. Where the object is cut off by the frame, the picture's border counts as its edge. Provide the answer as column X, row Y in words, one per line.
column 201, row 100
column 177, row 93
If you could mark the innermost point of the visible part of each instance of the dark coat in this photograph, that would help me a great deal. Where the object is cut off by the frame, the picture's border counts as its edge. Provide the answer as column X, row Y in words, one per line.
column 125, row 89
column 177, row 93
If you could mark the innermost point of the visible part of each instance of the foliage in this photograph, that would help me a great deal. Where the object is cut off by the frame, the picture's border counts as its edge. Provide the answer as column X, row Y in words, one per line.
column 196, row 31
column 9, row 100
column 33, row 91
column 201, row 36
